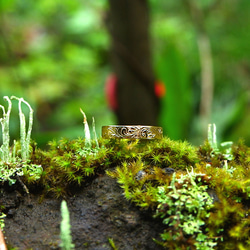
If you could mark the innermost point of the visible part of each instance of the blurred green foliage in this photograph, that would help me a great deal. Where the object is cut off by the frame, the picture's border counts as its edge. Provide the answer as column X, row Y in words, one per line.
column 55, row 55
column 174, row 34
column 172, row 70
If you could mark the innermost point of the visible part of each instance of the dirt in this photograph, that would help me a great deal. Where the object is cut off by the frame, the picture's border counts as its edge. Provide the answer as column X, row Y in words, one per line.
column 98, row 212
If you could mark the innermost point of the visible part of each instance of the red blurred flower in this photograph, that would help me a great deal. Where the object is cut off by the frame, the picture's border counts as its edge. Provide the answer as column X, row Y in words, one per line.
column 160, row 89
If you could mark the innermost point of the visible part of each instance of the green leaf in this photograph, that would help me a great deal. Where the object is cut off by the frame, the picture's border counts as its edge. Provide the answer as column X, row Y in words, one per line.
column 176, row 105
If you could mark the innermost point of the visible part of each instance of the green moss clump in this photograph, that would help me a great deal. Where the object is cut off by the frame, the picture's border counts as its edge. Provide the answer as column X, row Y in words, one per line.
column 168, row 153
column 68, row 164
column 201, row 195
column 214, row 200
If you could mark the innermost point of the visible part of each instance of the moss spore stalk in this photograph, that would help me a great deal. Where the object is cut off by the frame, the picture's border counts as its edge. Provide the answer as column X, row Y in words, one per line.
column 86, row 131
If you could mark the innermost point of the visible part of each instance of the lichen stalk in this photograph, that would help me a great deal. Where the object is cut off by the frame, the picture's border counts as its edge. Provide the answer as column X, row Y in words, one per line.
column 24, row 137
column 212, row 137
column 14, row 151
column 5, row 156
column 28, row 135
column 66, row 239
column 94, row 132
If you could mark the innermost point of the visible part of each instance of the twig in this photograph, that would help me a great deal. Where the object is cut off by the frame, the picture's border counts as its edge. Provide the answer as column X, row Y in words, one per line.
column 24, row 188
column 2, row 241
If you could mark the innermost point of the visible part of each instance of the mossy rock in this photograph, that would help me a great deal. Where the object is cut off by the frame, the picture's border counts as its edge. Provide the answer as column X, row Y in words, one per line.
column 145, row 169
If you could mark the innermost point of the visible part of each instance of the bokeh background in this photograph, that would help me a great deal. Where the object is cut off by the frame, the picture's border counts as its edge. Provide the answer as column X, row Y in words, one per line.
column 55, row 54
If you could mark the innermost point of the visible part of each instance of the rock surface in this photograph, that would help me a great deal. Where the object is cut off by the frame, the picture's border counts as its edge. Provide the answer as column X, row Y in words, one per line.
column 98, row 212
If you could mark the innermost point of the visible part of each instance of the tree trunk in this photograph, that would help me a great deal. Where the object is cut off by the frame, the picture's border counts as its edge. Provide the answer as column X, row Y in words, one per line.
column 128, row 24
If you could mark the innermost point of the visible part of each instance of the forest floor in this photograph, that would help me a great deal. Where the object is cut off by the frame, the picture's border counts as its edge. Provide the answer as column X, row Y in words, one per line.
column 98, row 212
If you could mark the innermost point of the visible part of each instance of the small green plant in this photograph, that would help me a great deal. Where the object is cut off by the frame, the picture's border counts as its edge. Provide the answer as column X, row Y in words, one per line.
column 25, row 137
column 112, row 244
column 2, row 216
column 88, row 149
column 66, row 240
column 225, row 148
column 211, row 136
column 185, row 206
column 11, row 164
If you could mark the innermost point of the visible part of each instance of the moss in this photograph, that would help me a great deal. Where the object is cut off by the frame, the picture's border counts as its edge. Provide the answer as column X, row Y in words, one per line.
column 67, row 164
column 227, row 182
column 143, row 167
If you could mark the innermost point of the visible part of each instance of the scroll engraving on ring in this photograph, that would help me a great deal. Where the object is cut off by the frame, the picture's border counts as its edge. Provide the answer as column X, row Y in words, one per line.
column 132, row 132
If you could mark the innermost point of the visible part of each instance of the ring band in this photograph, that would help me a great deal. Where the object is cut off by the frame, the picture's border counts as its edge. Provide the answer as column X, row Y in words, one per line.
column 132, row 132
